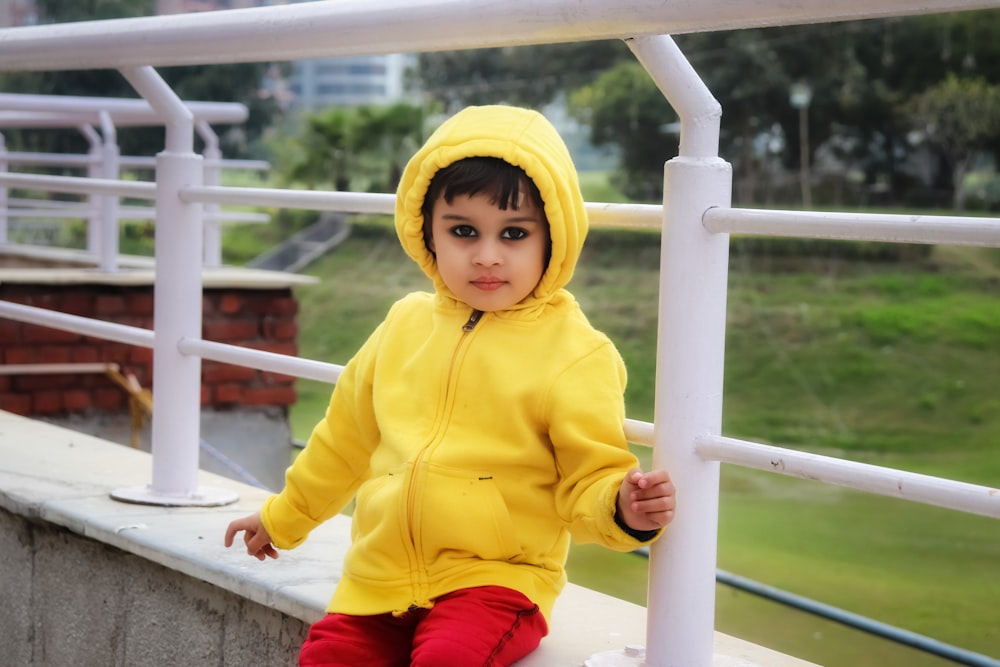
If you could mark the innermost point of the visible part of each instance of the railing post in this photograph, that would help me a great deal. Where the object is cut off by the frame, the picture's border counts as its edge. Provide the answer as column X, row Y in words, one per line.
column 95, row 202
column 689, row 372
column 110, row 155
column 3, row 190
column 176, row 312
column 213, row 176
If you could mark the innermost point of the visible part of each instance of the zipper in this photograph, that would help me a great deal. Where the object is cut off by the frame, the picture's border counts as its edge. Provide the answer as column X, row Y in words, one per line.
column 473, row 321
column 467, row 328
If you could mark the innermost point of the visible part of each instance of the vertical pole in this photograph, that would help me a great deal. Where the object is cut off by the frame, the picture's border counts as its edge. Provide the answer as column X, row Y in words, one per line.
column 213, row 171
column 689, row 368
column 177, row 307
column 177, row 315
column 3, row 190
column 110, row 155
column 694, row 268
column 94, row 170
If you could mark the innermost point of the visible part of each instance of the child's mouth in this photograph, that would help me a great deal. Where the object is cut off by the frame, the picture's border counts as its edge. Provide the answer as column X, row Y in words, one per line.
column 488, row 284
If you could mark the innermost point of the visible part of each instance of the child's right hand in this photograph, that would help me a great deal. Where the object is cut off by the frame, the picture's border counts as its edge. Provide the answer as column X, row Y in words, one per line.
column 254, row 536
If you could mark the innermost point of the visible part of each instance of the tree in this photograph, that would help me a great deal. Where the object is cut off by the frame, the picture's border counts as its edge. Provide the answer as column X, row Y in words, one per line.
column 959, row 117
column 531, row 76
column 624, row 107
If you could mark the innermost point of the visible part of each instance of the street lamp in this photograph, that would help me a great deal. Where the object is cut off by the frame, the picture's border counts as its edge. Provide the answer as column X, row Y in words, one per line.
column 799, row 96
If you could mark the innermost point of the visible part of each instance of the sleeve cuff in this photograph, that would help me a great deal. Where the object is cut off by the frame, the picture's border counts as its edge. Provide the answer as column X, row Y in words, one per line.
column 641, row 535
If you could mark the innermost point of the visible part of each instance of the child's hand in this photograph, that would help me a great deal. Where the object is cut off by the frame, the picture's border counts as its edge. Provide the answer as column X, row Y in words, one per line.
column 647, row 501
column 254, row 536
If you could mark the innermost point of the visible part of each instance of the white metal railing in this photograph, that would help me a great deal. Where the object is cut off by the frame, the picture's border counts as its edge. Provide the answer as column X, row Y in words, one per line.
column 104, row 160
column 696, row 219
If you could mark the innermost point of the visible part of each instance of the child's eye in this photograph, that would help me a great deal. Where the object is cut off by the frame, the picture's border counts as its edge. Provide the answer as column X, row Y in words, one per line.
column 463, row 231
column 513, row 233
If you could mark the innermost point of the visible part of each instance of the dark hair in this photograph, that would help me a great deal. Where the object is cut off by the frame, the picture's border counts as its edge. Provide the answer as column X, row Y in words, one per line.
column 499, row 179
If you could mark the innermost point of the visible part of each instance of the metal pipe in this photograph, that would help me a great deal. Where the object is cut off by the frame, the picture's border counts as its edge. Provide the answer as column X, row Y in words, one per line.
column 331, row 28
column 82, row 325
column 265, row 361
column 109, row 151
column 212, row 235
column 954, row 230
column 700, row 113
column 948, row 493
column 80, row 185
column 863, row 623
column 25, row 110
column 177, row 118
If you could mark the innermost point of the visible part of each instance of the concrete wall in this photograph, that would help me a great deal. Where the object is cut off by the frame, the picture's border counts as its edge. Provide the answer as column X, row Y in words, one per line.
column 69, row 600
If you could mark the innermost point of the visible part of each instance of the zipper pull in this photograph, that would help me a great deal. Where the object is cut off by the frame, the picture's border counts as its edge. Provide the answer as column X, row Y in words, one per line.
column 473, row 320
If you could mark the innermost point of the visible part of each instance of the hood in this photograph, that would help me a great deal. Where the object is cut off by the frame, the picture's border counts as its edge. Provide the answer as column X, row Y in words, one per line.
column 523, row 138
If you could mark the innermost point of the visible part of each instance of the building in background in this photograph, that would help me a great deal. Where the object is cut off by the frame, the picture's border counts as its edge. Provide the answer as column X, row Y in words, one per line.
column 311, row 85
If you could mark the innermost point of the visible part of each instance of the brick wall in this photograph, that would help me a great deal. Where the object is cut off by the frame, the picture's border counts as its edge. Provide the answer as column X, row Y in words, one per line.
column 263, row 319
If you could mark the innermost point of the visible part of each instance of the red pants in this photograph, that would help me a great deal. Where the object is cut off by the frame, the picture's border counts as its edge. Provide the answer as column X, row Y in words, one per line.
column 489, row 626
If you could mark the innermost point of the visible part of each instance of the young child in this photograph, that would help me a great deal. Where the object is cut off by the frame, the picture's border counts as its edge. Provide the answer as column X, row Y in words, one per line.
column 480, row 427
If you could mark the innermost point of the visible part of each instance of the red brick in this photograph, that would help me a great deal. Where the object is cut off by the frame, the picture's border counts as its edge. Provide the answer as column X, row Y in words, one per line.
column 140, row 304
column 76, row 400
column 39, row 334
column 231, row 304
column 84, row 354
column 140, row 356
column 213, row 372
column 279, row 330
column 48, row 403
column 5, row 383
column 78, row 303
column 54, row 354
column 10, row 332
column 231, row 330
column 110, row 399
column 21, row 355
column 108, row 305
column 19, row 404
column 277, row 395
column 227, row 393
column 282, row 306
column 31, row 383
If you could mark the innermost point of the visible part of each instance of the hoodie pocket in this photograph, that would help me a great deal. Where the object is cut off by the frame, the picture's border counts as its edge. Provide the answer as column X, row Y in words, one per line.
column 461, row 514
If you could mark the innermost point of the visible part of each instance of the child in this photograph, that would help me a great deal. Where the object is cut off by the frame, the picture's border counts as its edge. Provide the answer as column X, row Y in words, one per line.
column 480, row 427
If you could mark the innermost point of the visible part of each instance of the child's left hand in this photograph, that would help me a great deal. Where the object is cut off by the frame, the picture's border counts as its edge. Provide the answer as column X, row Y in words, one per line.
column 647, row 501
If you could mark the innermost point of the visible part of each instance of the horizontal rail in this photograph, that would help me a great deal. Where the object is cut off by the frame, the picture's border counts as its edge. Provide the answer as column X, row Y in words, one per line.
column 74, row 109
column 131, row 161
column 259, row 359
column 127, row 213
column 363, row 27
column 954, row 230
column 121, row 333
column 856, row 621
column 87, row 186
column 971, row 498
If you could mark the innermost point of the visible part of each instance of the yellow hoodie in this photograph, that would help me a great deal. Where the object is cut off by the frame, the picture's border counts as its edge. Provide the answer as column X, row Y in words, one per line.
column 475, row 452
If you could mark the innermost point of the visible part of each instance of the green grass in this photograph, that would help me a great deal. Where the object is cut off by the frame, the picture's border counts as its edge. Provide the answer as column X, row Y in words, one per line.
column 892, row 363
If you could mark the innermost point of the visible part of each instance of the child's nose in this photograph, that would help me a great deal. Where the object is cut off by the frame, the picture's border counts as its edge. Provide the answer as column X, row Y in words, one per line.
column 488, row 253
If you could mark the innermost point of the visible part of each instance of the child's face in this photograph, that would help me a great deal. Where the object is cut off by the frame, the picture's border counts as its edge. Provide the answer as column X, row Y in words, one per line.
column 489, row 258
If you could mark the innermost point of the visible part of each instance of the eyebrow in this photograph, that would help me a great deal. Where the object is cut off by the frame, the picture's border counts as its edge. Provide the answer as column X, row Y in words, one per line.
column 517, row 220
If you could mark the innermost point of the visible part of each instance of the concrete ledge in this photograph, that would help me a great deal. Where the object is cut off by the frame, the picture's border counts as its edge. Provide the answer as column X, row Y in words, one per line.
column 128, row 584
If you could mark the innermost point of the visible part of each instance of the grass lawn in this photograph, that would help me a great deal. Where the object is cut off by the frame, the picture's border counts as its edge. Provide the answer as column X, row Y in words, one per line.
column 884, row 362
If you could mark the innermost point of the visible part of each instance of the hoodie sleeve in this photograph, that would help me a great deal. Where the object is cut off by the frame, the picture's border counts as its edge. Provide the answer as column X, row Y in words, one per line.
column 586, row 426
column 335, row 461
